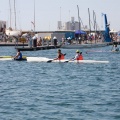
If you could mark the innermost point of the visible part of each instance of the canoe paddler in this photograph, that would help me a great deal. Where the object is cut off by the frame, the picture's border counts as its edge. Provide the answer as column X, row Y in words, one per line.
column 18, row 55
column 78, row 56
column 60, row 55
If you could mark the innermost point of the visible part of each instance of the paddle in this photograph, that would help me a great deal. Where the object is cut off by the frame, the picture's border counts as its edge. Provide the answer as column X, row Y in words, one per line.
column 66, row 61
column 50, row 61
column 69, row 60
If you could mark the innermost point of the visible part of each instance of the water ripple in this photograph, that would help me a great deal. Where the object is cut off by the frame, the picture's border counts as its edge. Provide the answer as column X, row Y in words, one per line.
column 60, row 91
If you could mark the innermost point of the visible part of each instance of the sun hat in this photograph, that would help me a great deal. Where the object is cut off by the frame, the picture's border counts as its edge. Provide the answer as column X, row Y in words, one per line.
column 77, row 51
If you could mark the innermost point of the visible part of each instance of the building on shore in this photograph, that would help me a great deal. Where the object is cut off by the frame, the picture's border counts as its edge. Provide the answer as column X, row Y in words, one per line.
column 70, row 25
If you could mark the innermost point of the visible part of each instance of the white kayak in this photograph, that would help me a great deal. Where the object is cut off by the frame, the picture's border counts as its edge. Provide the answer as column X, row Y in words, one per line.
column 44, row 59
column 37, row 59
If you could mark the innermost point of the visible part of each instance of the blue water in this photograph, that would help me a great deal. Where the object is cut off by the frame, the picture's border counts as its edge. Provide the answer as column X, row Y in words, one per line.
column 60, row 91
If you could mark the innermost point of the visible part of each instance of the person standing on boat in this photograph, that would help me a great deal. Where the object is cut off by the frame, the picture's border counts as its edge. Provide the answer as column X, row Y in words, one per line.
column 55, row 41
column 18, row 55
column 60, row 55
column 78, row 55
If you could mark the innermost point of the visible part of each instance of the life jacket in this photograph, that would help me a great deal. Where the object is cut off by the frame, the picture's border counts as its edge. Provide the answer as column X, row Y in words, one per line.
column 61, row 57
column 80, row 57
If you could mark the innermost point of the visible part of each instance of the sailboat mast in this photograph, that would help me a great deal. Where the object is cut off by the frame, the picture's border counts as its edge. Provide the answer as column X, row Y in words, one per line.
column 95, row 22
column 89, row 20
column 15, row 14
column 60, row 13
column 10, row 12
column 34, row 15
column 94, row 19
column 79, row 18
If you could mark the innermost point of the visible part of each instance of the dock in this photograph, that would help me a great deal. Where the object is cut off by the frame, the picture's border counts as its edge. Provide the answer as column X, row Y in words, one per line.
column 25, row 47
column 13, row 44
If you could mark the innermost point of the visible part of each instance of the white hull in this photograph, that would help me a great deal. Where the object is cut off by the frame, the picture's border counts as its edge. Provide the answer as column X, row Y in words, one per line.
column 37, row 59
column 15, row 33
column 43, row 59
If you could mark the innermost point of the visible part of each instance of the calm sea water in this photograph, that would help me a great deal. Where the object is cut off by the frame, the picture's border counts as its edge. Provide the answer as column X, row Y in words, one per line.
column 60, row 91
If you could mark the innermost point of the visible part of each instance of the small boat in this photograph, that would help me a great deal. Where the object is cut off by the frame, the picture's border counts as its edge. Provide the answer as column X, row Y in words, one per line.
column 15, row 33
column 44, row 59
column 10, row 32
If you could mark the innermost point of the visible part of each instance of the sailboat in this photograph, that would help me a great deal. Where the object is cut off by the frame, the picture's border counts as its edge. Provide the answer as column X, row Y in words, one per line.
column 10, row 31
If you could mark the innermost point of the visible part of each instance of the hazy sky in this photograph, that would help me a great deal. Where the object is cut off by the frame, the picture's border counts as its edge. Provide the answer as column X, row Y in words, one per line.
column 48, row 12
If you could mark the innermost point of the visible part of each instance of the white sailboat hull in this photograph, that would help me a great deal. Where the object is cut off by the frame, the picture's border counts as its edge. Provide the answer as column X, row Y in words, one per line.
column 15, row 33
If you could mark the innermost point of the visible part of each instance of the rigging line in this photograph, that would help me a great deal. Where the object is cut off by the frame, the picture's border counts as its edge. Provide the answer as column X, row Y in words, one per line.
column 79, row 18
column 15, row 14
column 34, row 15
column 10, row 12
column 89, row 20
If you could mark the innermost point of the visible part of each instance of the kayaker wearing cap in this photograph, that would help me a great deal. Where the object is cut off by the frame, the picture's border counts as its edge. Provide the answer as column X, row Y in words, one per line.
column 18, row 55
column 60, row 55
column 78, row 55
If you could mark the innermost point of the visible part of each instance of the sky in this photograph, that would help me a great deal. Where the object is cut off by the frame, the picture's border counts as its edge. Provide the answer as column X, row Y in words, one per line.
column 49, row 12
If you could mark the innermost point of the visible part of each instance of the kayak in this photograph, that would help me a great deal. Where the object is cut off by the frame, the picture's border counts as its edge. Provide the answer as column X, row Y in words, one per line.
column 37, row 59
column 44, row 59
column 3, row 58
